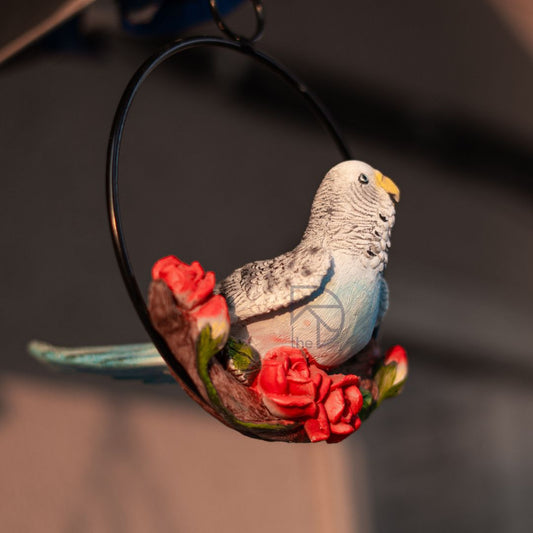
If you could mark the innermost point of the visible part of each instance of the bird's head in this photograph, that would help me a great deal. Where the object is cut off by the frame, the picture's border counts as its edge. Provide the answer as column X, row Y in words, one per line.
column 358, row 181
column 354, row 209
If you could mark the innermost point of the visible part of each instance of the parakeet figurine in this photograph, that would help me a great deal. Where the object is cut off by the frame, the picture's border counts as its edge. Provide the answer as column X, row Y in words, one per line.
column 327, row 295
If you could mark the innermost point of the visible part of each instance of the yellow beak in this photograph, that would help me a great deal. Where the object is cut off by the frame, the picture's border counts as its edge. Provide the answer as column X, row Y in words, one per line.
column 388, row 185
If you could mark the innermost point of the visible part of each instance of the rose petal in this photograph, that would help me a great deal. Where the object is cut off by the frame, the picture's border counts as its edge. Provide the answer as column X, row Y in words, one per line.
column 341, row 428
column 163, row 265
column 298, row 362
column 347, row 416
column 202, row 291
column 286, row 400
column 301, row 387
column 354, row 397
column 334, row 438
column 316, row 377
column 300, row 369
column 286, row 406
column 272, row 378
column 317, row 429
column 297, row 377
column 322, row 382
column 343, row 380
column 195, row 270
column 334, row 405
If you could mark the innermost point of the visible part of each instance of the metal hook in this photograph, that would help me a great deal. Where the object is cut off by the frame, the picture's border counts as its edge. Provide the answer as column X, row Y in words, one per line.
column 259, row 18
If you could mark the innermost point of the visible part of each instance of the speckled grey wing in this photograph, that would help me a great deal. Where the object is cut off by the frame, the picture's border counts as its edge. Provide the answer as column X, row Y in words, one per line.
column 265, row 286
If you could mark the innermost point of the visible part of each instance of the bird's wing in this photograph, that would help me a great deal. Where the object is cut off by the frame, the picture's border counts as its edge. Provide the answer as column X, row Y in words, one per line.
column 127, row 361
column 265, row 286
column 383, row 301
column 383, row 306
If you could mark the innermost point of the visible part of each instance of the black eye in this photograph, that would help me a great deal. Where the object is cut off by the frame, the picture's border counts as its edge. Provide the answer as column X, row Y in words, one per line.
column 363, row 178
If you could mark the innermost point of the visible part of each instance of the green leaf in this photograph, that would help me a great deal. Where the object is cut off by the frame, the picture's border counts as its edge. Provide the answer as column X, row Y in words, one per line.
column 206, row 348
column 368, row 405
column 242, row 354
column 395, row 390
column 243, row 361
column 385, row 380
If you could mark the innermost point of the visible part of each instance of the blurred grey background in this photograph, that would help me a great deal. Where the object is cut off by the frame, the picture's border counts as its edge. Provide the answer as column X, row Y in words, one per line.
column 220, row 164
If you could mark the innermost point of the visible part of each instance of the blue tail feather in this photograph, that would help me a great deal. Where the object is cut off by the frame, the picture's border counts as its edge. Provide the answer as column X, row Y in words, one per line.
column 126, row 361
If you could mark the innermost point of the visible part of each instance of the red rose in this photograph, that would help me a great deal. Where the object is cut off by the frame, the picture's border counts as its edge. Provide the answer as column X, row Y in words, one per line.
column 193, row 291
column 189, row 283
column 291, row 388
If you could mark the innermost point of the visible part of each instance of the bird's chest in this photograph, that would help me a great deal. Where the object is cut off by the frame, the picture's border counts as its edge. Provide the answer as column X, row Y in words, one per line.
column 355, row 290
column 334, row 324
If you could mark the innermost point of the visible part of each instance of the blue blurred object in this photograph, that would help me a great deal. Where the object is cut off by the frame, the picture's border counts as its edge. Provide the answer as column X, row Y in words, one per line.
column 158, row 18
column 167, row 17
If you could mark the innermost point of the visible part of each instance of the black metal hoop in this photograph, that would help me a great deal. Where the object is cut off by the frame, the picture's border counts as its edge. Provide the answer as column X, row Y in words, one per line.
column 259, row 22
column 117, row 131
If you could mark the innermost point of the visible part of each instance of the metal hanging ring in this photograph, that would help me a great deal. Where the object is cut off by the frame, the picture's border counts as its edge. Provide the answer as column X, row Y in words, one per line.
column 115, row 140
column 259, row 20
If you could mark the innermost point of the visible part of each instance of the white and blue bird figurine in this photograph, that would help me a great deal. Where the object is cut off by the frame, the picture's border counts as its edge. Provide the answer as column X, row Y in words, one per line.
column 327, row 295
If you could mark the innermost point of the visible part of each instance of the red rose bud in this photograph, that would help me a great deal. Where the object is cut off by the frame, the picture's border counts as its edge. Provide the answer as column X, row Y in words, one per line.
column 398, row 355
column 215, row 314
column 189, row 283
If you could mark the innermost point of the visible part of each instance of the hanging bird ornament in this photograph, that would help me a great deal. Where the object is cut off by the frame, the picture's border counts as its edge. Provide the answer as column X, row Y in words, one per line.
column 283, row 348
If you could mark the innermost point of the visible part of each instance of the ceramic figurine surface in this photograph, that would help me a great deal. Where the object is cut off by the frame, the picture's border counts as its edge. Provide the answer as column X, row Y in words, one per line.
column 284, row 348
